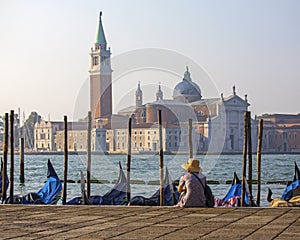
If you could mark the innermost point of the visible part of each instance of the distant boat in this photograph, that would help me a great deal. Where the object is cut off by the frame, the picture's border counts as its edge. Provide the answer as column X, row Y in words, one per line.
column 170, row 194
column 115, row 196
column 48, row 194
column 291, row 194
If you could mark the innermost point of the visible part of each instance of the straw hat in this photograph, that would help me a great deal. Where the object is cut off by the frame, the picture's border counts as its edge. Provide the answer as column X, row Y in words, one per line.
column 192, row 165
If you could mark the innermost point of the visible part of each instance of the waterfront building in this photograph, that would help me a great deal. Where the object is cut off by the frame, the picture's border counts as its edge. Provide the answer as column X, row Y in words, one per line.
column 145, row 138
column 281, row 133
column 44, row 135
column 49, row 136
column 77, row 138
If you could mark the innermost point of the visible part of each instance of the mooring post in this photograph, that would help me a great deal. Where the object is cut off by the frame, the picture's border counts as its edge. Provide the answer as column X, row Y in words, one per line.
column 128, row 162
column 12, row 159
column 244, row 163
column 22, row 177
column 190, row 136
column 161, row 160
column 5, row 150
column 65, row 160
column 258, row 160
column 249, row 154
column 88, row 159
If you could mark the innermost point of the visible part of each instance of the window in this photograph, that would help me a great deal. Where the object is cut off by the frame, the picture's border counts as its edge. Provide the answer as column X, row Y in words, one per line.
column 95, row 60
column 42, row 136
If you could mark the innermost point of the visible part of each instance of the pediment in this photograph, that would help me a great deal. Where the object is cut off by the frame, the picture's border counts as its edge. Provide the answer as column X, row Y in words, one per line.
column 236, row 100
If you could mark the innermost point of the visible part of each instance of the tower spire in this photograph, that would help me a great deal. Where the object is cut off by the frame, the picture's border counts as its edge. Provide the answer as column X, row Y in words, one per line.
column 159, row 93
column 100, row 36
column 139, row 96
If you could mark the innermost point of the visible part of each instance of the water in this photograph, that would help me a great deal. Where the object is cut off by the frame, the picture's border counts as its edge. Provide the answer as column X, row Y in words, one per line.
column 146, row 168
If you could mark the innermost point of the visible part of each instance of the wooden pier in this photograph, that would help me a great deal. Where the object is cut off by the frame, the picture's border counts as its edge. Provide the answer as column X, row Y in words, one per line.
column 104, row 222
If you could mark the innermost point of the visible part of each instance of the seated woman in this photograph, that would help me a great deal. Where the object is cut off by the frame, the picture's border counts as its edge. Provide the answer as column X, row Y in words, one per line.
column 190, row 188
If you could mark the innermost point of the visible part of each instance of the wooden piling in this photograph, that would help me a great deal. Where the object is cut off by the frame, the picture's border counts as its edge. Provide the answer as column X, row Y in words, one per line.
column 249, row 152
column 190, row 136
column 22, row 176
column 128, row 162
column 258, row 160
column 244, row 163
column 5, row 150
column 65, row 160
column 12, row 160
column 88, row 159
column 161, row 160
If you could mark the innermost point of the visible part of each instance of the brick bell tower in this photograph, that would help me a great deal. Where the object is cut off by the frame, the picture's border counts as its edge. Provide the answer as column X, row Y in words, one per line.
column 100, row 77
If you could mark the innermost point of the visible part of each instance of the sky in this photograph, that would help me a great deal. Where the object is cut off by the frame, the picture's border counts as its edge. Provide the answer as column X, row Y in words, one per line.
column 252, row 45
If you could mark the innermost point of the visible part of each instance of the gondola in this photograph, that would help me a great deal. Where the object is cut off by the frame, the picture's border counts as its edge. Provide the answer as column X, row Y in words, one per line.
column 48, row 194
column 115, row 196
column 170, row 194
column 291, row 194
column 233, row 196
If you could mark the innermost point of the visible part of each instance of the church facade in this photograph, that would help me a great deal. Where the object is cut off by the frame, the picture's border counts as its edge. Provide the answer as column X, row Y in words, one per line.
column 218, row 123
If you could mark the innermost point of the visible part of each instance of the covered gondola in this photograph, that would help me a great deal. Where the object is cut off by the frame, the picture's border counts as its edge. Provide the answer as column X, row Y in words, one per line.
column 291, row 194
column 170, row 194
column 115, row 196
column 234, row 195
column 48, row 194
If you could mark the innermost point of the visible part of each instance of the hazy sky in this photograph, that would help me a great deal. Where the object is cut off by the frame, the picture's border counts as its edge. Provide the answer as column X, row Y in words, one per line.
column 254, row 45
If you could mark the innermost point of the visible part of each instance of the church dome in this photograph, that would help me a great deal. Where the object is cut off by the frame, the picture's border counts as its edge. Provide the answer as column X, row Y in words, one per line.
column 186, row 90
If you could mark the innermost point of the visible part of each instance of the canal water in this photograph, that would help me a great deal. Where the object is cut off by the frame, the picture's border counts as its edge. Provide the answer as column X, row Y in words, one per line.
column 145, row 168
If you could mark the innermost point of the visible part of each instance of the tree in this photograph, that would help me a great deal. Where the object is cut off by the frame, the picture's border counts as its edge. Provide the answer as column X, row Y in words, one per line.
column 28, row 129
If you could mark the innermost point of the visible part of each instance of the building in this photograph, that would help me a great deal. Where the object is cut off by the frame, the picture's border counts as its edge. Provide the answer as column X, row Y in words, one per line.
column 44, row 135
column 281, row 133
column 78, row 137
column 100, row 77
column 218, row 122
column 145, row 139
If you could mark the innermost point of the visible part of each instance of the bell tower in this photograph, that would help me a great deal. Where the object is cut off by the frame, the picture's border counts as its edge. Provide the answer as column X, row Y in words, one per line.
column 100, row 76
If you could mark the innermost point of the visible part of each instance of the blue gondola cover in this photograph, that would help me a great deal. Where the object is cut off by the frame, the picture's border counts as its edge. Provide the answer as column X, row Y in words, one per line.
column 236, row 190
column 52, row 187
column 291, row 188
